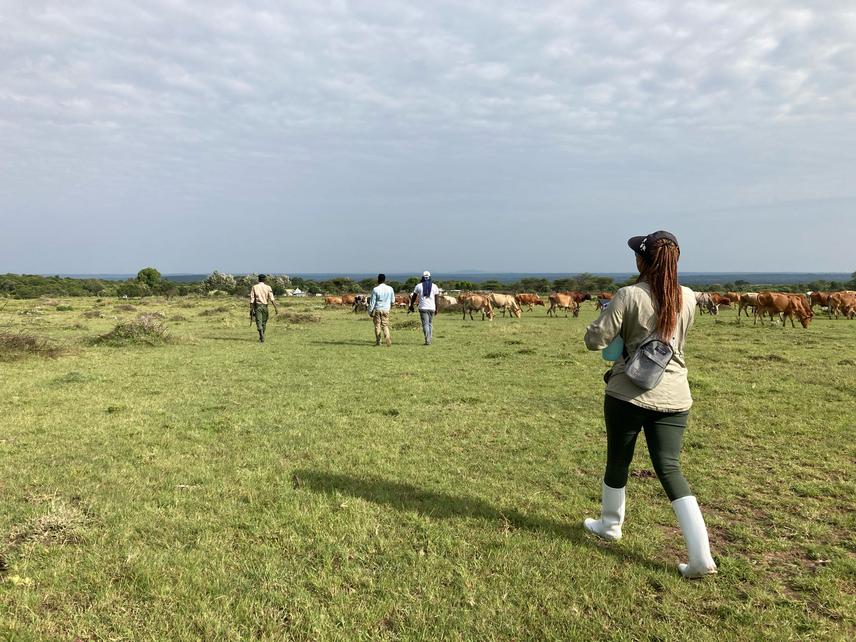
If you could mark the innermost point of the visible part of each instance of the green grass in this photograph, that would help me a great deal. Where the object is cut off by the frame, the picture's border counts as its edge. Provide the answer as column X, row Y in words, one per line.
column 316, row 487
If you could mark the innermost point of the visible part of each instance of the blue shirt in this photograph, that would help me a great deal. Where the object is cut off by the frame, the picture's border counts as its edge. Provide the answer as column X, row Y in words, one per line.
column 382, row 298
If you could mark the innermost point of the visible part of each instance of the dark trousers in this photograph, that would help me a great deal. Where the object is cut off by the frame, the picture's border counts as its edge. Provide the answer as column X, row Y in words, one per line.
column 261, row 319
column 664, row 434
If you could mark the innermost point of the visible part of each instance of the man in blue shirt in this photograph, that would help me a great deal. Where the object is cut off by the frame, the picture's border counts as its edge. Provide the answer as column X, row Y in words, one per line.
column 380, row 303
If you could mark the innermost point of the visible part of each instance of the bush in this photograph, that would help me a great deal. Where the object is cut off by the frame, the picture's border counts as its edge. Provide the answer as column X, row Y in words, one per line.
column 133, row 289
column 410, row 322
column 214, row 311
column 93, row 314
column 219, row 281
column 18, row 345
column 147, row 329
column 297, row 317
column 64, row 308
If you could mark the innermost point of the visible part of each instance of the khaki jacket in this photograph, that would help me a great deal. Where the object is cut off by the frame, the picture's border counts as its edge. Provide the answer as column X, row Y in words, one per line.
column 631, row 315
column 261, row 293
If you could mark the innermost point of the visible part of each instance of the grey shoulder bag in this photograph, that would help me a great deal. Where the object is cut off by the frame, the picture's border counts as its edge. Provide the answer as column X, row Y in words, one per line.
column 648, row 363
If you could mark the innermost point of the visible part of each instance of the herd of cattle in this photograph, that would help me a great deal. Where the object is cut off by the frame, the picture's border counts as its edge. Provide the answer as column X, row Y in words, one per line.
column 779, row 305
column 484, row 303
column 783, row 305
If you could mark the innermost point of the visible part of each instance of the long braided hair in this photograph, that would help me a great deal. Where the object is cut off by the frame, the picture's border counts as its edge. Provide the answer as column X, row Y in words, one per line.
column 660, row 271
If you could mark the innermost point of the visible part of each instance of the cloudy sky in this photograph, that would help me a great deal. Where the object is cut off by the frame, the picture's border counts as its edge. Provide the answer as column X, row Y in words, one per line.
column 381, row 135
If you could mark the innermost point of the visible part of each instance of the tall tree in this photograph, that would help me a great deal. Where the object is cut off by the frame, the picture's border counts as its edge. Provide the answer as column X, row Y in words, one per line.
column 150, row 277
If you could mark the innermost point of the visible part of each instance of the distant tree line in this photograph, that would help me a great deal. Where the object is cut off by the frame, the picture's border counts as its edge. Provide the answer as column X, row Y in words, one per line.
column 149, row 282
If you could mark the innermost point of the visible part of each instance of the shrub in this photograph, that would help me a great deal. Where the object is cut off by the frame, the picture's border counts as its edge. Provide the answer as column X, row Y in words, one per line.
column 147, row 329
column 410, row 322
column 214, row 311
column 93, row 314
column 297, row 317
column 18, row 345
column 219, row 281
column 64, row 308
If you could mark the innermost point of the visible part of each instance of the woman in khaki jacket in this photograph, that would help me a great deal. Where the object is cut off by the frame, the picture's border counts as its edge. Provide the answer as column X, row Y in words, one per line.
column 655, row 304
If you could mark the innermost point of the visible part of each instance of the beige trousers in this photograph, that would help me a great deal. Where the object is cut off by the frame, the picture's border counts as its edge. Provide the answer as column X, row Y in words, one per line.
column 381, row 326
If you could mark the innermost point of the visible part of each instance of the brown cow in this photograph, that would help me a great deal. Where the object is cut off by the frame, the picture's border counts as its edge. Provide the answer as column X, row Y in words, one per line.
column 746, row 300
column 402, row 300
column 348, row 299
column 567, row 301
column 505, row 302
column 529, row 300
column 819, row 298
column 478, row 302
column 602, row 300
column 842, row 303
column 332, row 300
column 786, row 306
column 446, row 303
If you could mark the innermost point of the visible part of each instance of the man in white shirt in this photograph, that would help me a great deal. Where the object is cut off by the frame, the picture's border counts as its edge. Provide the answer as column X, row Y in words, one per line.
column 426, row 293
column 380, row 304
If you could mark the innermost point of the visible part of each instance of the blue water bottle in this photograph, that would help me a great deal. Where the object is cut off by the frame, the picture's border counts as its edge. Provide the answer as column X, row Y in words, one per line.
column 614, row 349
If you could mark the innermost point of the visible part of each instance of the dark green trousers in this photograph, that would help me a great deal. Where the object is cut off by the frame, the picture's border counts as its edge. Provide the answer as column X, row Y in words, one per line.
column 261, row 319
column 664, row 434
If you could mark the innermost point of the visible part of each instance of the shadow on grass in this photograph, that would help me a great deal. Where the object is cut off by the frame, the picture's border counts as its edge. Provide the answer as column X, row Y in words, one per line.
column 406, row 497
column 254, row 339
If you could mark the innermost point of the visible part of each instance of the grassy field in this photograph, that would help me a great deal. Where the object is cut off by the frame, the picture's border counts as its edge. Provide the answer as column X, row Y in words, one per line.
column 319, row 488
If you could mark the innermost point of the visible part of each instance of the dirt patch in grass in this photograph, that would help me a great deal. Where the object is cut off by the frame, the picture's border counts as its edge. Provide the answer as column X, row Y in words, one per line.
column 93, row 314
column 177, row 318
column 17, row 345
column 72, row 377
column 126, row 307
column 643, row 474
column 61, row 524
column 776, row 358
column 147, row 329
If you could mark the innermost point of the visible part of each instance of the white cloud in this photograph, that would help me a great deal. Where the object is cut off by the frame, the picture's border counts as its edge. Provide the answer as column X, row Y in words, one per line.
column 126, row 98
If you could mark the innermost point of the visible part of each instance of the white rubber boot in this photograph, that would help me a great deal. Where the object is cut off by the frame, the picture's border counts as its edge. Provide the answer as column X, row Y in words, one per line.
column 608, row 527
column 695, row 536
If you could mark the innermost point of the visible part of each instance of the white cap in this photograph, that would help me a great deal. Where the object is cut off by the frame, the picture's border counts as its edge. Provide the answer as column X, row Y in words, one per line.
column 426, row 274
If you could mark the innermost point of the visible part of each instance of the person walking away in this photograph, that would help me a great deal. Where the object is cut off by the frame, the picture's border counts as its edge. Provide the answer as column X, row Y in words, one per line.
column 426, row 293
column 656, row 306
column 380, row 303
column 261, row 295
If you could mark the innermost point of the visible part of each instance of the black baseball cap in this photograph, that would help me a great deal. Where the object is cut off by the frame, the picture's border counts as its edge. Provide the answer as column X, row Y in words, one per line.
column 641, row 244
